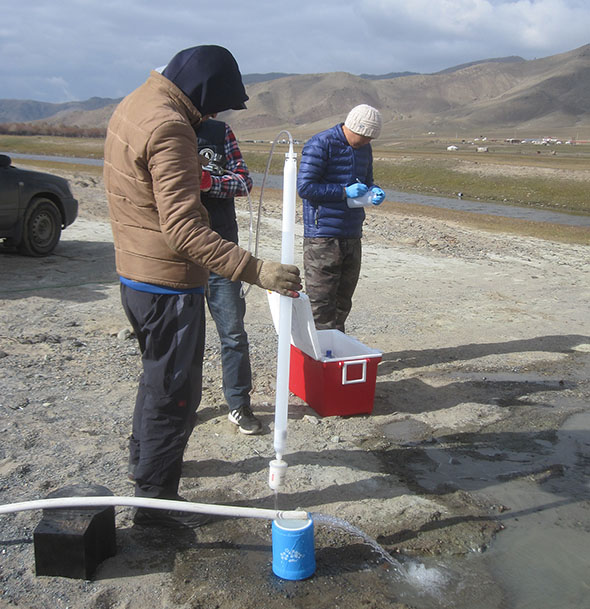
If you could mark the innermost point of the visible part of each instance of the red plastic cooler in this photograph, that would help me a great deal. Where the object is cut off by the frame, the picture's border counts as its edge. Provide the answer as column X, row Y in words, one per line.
column 335, row 374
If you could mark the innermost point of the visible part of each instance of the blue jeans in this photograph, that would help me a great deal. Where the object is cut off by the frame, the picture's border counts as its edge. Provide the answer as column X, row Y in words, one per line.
column 227, row 309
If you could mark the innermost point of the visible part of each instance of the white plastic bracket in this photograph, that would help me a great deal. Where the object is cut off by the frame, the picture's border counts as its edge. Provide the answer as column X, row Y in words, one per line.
column 354, row 362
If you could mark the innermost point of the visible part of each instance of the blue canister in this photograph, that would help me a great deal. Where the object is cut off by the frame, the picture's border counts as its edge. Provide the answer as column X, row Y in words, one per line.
column 293, row 553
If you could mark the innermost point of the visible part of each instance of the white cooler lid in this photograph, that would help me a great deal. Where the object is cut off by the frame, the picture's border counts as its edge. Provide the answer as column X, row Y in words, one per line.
column 303, row 333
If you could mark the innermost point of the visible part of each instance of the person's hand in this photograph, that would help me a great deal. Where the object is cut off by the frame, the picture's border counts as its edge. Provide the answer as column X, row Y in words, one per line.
column 356, row 190
column 281, row 278
column 378, row 195
column 206, row 181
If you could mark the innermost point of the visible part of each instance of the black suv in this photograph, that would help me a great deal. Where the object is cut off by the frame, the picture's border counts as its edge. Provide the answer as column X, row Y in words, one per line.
column 34, row 208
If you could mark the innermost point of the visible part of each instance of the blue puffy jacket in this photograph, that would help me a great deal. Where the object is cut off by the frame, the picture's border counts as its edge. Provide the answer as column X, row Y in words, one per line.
column 328, row 165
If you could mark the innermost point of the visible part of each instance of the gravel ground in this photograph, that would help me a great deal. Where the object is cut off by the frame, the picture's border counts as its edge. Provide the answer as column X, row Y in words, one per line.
column 482, row 334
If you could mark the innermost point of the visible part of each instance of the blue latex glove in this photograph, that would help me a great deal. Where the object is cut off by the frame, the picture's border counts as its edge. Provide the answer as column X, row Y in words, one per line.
column 356, row 190
column 378, row 195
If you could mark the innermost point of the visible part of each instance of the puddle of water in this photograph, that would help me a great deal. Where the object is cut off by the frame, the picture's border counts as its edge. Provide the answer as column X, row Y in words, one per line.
column 541, row 559
column 407, row 432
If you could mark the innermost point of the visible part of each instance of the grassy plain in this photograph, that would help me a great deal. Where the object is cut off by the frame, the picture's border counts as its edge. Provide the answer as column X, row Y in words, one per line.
column 548, row 177
column 554, row 177
column 551, row 177
column 53, row 145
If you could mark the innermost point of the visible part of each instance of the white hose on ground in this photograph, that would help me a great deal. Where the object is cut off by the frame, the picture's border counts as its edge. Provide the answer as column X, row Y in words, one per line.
column 159, row 504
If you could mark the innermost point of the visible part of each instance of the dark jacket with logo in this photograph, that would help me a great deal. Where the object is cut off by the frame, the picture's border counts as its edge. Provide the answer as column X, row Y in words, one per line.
column 328, row 165
column 222, row 212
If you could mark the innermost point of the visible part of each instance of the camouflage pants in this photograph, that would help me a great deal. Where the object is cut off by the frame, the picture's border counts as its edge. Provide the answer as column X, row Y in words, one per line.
column 332, row 267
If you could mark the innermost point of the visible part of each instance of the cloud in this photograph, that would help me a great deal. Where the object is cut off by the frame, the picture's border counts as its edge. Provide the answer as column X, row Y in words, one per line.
column 83, row 48
column 427, row 36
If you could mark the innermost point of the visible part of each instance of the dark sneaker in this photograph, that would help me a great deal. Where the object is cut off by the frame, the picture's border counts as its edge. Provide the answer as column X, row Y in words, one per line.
column 170, row 519
column 245, row 420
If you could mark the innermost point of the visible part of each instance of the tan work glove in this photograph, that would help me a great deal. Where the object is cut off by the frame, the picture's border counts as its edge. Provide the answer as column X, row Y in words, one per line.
column 282, row 278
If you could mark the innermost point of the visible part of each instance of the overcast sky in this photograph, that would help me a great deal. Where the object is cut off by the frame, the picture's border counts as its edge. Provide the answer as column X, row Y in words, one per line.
column 65, row 50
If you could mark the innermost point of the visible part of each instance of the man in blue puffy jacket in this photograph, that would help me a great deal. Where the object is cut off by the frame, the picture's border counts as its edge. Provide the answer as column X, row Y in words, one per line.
column 336, row 165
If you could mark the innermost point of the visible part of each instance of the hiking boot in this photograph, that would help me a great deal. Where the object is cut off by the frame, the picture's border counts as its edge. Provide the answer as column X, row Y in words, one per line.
column 245, row 420
column 170, row 519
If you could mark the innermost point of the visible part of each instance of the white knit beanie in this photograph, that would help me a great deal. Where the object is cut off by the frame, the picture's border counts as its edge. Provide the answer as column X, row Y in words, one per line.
column 364, row 120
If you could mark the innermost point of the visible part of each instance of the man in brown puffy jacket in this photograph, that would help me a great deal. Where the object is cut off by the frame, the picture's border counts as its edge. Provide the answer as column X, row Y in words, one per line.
column 164, row 250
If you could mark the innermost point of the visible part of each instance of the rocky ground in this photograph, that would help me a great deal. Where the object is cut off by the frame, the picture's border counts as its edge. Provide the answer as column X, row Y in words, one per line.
column 485, row 340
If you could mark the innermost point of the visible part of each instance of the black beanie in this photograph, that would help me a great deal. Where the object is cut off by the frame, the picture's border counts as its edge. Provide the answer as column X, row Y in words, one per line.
column 209, row 76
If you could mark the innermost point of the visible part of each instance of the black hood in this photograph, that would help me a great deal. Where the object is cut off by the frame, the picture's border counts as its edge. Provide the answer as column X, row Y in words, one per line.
column 210, row 77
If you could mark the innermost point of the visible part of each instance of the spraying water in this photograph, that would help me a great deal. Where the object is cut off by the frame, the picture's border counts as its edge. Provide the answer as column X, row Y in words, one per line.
column 414, row 583
column 427, row 579
column 338, row 523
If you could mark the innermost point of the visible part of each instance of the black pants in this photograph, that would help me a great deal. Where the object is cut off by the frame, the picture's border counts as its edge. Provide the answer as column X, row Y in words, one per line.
column 171, row 334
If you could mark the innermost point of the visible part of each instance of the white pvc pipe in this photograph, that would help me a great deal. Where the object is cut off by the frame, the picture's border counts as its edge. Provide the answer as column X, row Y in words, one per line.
column 285, row 304
column 289, row 194
column 159, row 504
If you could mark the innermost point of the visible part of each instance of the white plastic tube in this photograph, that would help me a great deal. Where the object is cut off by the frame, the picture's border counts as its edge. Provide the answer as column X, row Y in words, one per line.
column 159, row 504
column 285, row 304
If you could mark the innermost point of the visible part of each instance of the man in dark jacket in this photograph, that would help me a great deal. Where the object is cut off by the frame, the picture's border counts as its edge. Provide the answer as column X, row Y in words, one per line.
column 164, row 250
column 226, row 177
column 336, row 164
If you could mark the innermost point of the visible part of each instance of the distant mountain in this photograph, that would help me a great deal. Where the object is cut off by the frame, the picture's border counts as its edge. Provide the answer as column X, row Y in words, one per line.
column 22, row 111
column 508, row 94
column 387, row 76
column 249, row 79
column 511, row 59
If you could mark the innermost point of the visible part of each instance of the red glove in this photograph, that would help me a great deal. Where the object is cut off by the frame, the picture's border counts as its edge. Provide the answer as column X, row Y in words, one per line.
column 206, row 180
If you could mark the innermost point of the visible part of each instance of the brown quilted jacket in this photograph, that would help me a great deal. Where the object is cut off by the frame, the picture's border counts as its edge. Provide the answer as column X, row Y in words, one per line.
column 152, row 177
